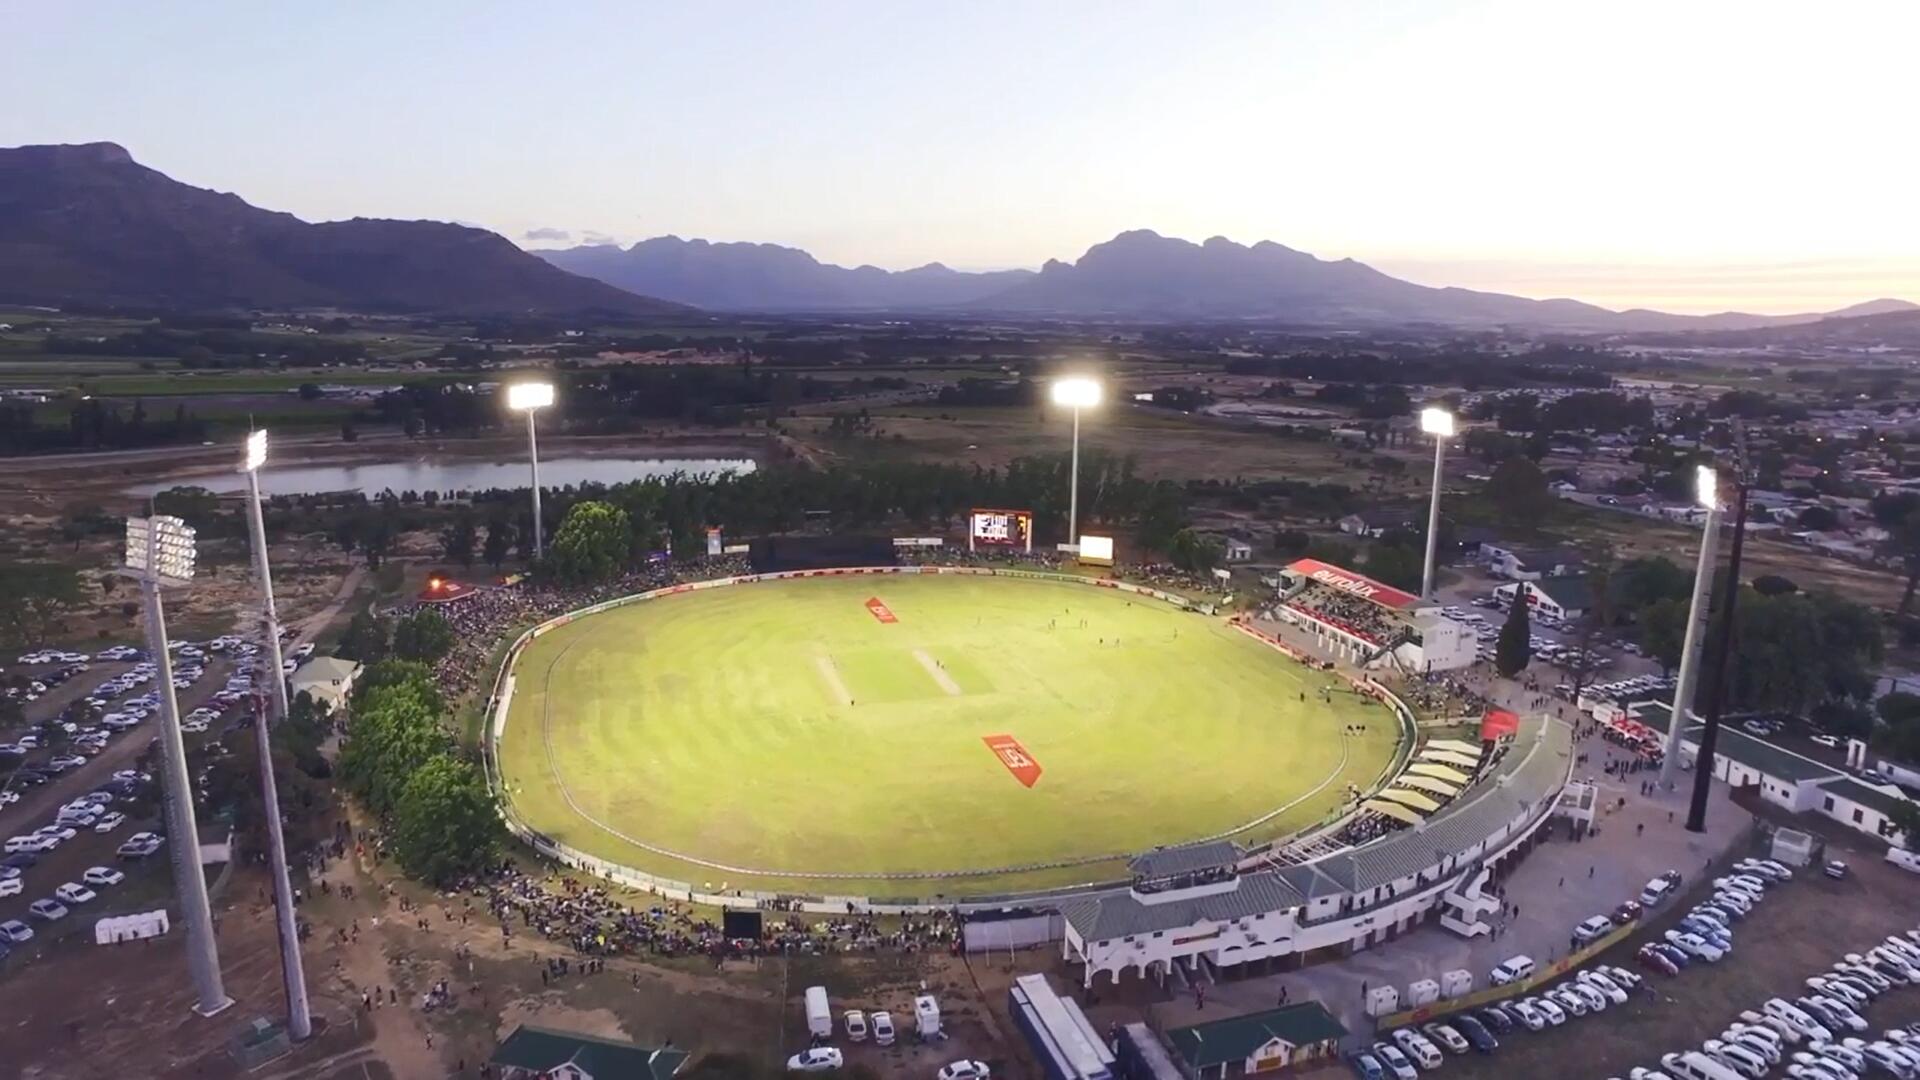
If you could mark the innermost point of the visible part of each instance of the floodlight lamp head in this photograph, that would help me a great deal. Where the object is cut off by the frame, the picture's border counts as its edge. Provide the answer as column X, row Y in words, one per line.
column 1706, row 486
column 529, row 395
column 1435, row 421
column 160, row 549
column 256, row 452
column 1076, row 392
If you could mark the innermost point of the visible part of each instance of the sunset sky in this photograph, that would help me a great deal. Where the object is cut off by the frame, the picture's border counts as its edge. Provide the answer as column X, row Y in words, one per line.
column 1689, row 156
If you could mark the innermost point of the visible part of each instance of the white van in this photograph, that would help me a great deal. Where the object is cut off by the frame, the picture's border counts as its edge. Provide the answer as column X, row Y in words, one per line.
column 819, row 1017
column 1904, row 859
column 1513, row 969
column 1657, row 890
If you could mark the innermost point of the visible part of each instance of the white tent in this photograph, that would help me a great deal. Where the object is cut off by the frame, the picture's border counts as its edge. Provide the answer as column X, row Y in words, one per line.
column 118, row 928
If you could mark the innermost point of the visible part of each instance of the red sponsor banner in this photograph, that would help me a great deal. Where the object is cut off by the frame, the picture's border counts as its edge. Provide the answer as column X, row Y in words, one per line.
column 1014, row 757
column 1348, row 582
column 880, row 611
column 1497, row 724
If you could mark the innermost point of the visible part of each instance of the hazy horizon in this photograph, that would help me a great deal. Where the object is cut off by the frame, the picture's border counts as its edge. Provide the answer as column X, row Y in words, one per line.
column 1690, row 158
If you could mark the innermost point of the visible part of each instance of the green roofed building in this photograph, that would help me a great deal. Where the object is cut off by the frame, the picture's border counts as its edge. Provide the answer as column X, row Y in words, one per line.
column 1259, row 1042
column 531, row 1052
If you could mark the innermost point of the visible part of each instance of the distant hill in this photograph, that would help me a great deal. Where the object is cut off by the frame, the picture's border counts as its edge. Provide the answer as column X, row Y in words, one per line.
column 771, row 278
column 1137, row 276
column 88, row 224
column 1888, row 324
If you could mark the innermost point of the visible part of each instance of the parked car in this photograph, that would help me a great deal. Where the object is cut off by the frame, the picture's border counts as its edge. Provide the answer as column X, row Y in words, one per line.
column 818, row 1059
column 48, row 910
column 102, row 875
column 965, row 1070
column 74, row 893
column 1446, row 1036
column 16, row 931
column 1396, row 1062
column 882, row 1023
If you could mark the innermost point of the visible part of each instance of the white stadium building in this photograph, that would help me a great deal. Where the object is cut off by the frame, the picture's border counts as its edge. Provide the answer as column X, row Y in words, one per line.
column 1370, row 624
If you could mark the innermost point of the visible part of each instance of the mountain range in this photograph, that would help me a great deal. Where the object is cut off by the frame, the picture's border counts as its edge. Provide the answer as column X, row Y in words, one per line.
column 1136, row 275
column 88, row 224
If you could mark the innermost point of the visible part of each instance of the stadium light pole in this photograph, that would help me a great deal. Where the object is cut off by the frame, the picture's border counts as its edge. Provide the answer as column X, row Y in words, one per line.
column 1706, row 489
column 160, row 551
column 1076, row 392
column 292, row 971
column 1717, row 682
column 1439, row 424
column 530, row 398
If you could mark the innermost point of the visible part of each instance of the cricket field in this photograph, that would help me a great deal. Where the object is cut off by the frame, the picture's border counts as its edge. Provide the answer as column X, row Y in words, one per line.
column 920, row 735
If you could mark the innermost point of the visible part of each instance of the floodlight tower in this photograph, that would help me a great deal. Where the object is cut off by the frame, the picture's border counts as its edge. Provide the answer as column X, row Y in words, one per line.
column 1076, row 392
column 1439, row 424
column 1706, row 490
column 530, row 398
column 160, row 551
column 292, row 970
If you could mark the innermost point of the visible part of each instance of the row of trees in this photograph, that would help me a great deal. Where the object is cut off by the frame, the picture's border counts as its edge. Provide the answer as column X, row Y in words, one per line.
column 421, row 637
column 398, row 759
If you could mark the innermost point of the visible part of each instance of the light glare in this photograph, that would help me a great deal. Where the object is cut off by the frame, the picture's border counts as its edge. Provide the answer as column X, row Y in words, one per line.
column 529, row 395
column 1076, row 392
column 1437, row 422
column 1706, row 486
column 256, row 450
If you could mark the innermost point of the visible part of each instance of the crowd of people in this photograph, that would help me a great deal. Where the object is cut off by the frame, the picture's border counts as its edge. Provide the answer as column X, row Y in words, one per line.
column 1362, row 618
column 1441, row 694
column 482, row 617
column 586, row 917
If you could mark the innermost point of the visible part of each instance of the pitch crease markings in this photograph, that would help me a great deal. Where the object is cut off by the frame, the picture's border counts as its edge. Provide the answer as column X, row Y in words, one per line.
column 834, row 682
column 938, row 673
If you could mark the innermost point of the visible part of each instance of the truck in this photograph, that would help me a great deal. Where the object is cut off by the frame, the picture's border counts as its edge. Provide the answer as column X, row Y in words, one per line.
column 819, row 1017
column 926, row 1015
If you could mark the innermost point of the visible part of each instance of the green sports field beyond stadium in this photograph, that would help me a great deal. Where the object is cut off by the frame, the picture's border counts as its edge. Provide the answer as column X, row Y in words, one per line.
column 874, row 735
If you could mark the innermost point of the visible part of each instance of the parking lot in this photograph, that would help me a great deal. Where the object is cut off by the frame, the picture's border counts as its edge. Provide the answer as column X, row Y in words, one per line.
column 1799, row 930
column 82, row 814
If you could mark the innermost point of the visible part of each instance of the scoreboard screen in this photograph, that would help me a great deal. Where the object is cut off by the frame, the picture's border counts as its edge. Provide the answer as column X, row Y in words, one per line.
column 1001, row 528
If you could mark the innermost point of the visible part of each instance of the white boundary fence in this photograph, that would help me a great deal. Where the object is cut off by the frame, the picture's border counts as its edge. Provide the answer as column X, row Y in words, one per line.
column 502, row 697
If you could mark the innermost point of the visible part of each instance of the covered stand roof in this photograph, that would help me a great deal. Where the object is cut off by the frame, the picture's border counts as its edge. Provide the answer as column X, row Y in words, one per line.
column 1440, row 772
column 1423, row 803
column 1448, row 757
column 1391, row 809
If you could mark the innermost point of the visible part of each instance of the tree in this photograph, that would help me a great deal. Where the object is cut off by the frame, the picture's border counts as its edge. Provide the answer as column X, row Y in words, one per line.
column 1905, row 542
column 444, row 824
column 1398, row 565
column 368, row 639
column 1192, row 552
column 1819, row 519
column 498, row 543
column 591, row 545
column 33, row 598
column 457, row 539
column 1514, row 649
column 1774, row 585
column 196, row 506
column 1645, row 581
column 425, row 636
column 1663, row 629
column 1519, row 491
column 1905, row 817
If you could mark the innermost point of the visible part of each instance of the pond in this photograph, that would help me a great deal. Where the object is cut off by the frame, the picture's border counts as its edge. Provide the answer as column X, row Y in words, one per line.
column 430, row 474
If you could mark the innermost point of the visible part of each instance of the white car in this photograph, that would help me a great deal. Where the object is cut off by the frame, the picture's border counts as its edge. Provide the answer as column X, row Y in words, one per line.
column 1446, row 1036
column 818, row 1059
column 1417, row 1047
column 16, row 931
column 856, row 1025
column 74, row 893
column 1395, row 1062
column 882, row 1023
column 29, row 843
column 110, row 822
column 1550, row 1009
column 1736, row 1057
column 102, row 875
column 1530, row 1017
column 1695, row 946
column 965, row 1070
column 48, row 910
column 1605, row 986
column 12, row 886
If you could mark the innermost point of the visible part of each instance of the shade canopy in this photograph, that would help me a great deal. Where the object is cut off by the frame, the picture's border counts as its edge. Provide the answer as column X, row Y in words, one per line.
column 1448, row 757
column 1439, row 772
column 1423, row 803
column 1393, row 810
column 1428, row 783
column 1456, row 746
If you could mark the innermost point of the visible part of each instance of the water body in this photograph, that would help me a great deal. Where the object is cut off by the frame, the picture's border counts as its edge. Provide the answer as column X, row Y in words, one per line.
column 428, row 474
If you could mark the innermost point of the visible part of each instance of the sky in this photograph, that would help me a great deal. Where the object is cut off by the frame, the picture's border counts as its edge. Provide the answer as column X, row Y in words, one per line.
column 1692, row 156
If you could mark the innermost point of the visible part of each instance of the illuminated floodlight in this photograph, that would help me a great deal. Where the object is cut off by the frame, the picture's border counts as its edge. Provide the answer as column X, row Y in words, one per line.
column 1437, row 422
column 161, row 549
column 1706, row 486
column 256, row 451
column 529, row 395
column 1076, row 392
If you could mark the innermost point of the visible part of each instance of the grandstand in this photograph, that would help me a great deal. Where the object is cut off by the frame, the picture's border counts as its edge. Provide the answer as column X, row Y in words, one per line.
column 1370, row 624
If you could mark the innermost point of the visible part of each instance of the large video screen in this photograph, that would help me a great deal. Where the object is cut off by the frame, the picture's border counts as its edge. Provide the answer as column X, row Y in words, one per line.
column 1001, row 528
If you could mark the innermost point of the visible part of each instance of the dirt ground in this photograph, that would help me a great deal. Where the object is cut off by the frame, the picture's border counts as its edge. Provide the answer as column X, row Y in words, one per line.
column 1800, row 929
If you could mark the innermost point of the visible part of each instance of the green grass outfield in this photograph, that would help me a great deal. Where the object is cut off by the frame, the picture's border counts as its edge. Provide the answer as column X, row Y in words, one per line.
column 782, row 726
